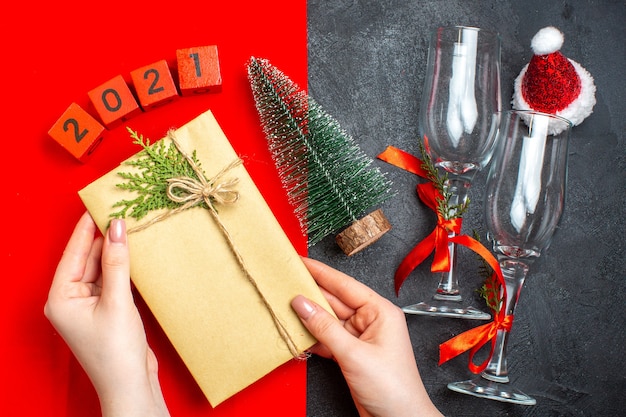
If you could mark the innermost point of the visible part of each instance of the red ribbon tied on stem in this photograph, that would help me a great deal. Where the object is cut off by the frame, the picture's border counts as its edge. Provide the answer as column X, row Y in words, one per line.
column 440, row 237
column 436, row 241
column 474, row 339
column 447, row 231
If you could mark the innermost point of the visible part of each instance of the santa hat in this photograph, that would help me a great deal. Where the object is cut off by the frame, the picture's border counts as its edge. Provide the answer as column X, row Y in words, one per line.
column 552, row 83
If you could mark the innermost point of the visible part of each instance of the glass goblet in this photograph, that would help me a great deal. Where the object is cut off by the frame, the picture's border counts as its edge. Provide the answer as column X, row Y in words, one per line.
column 525, row 195
column 459, row 119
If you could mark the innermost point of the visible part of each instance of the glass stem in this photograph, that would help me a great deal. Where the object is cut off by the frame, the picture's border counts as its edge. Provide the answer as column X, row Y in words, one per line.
column 448, row 287
column 514, row 272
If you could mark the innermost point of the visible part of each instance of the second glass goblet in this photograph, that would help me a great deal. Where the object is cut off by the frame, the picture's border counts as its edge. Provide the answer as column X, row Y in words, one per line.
column 525, row 196
column 459, row 119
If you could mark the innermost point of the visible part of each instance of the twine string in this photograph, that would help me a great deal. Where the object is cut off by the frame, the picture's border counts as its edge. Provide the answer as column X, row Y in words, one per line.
column 189, row 192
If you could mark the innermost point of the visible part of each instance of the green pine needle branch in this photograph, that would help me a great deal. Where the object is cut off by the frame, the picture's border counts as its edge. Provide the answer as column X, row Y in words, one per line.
column 157, row 164
column 490, row 291
column 445, row 207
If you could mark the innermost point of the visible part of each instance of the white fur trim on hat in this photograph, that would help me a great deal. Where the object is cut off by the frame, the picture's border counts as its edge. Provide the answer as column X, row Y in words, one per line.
column 582, row 106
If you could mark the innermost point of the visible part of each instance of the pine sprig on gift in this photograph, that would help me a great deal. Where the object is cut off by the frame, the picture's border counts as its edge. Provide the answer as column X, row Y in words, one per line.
column 445, row 208
column 157, row 164
column 328, row 179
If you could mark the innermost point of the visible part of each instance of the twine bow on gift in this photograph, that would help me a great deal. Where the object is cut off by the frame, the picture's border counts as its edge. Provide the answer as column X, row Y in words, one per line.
column 190, row 192
column 448, row 231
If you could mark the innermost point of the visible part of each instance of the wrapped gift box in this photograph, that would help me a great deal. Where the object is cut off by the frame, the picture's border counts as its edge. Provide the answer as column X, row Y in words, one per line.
column 186, row 271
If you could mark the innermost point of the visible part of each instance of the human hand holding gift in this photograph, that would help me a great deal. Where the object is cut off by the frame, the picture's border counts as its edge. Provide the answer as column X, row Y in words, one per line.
column 370, row 342
column 92, row 308
column 96, row 315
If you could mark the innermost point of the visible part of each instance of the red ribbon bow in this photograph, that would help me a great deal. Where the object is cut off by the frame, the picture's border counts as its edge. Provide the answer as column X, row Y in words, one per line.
column 474, row 339
column 445, row 232
column 440, row 237
column 436, row 241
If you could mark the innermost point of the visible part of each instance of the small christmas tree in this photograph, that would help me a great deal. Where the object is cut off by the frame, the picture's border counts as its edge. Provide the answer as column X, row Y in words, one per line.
column 328, row 179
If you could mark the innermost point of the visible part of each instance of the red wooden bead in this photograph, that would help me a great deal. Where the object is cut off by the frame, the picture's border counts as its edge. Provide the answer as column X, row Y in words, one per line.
column 199, row 70
column 154, row 85
column 114, row 102
column 77, row 131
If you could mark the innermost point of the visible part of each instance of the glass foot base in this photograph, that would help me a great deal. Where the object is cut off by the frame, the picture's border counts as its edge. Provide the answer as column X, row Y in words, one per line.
column 446, row 309
column 482, row 388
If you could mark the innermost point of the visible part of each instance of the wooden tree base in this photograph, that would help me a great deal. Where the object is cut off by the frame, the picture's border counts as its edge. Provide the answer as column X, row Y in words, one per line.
column 363, row 232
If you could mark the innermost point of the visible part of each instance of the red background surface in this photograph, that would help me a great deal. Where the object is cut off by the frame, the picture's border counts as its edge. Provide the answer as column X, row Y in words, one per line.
column 54, row 53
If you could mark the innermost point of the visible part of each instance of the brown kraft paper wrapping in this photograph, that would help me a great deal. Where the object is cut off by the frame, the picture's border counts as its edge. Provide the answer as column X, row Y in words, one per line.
column 187, row 273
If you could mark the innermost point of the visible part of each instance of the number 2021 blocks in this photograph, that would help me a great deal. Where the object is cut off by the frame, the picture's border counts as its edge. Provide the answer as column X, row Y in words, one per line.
column 114, row 102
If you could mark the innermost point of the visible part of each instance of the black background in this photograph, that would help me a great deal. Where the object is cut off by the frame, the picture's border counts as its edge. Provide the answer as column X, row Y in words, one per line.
column 367, row 62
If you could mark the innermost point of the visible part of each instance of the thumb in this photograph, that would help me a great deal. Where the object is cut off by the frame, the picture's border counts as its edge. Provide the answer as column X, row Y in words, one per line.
column 323, row 326
column 115, row 263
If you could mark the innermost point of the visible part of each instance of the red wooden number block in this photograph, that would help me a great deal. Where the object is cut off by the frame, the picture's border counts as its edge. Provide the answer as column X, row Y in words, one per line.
column 77, row 131
column 114, row 102
column 198, row 70
column 154, row 85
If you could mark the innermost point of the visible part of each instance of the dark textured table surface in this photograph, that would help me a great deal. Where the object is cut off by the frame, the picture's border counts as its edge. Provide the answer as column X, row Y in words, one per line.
column 367, row 62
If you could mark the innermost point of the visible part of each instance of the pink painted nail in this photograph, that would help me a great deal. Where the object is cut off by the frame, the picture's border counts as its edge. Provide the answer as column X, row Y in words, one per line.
column 303, row 307
column 117, row 231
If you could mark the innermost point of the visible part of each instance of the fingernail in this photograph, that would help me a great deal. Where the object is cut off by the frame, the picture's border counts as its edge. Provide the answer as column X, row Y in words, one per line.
column 302, row 307
column 117, row 231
